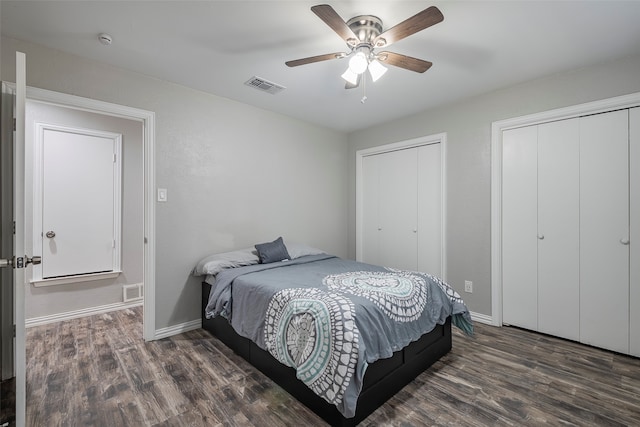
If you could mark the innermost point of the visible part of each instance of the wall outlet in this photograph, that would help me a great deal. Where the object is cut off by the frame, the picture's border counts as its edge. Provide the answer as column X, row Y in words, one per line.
column 468, row 286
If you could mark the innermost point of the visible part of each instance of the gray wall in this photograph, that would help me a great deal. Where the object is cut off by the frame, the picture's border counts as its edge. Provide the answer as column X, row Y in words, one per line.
column 56, row 299
column 468, row 158
column 236, row 175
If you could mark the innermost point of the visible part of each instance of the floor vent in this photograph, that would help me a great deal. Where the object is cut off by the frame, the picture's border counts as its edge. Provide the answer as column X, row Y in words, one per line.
column 132, row 292
column 264, row 85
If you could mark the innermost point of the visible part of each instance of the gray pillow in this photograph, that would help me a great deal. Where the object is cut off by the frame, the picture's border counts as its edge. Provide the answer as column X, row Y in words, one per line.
column 296, row 250
column 272, row 251
column 215, row 263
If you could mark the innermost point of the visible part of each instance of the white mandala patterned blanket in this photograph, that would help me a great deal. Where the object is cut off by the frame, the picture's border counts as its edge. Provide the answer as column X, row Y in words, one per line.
column 315, row 332
column 329, row 318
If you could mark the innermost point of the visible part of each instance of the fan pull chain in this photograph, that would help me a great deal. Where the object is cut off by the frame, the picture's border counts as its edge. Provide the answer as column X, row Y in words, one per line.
column 364, row 89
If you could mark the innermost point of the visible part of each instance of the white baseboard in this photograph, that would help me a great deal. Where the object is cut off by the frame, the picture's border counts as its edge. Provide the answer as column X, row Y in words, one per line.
column 482, row 318
column 177, row 329
column 59, row 317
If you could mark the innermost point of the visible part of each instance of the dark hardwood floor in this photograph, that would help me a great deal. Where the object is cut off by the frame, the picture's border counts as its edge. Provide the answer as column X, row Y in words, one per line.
column 8, row 402
column 97, row 371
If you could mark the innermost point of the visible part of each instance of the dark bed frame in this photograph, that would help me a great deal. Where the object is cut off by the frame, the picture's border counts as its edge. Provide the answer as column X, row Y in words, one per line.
column 383, row 378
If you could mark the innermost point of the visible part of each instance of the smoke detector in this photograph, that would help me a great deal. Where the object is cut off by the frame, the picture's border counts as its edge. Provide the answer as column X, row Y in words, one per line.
column 105, row 39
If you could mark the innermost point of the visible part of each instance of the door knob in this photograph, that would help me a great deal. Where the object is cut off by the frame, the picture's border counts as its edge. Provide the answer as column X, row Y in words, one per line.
column 624, row 241
column 20, row 262
column 540, row 236
column 33, row 260
column 50, row 234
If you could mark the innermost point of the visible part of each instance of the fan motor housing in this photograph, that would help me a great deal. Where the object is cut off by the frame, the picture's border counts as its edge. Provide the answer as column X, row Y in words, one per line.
column 366, row 28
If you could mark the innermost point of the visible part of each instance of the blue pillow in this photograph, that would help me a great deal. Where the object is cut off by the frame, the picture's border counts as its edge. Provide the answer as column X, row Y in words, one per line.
column 272, row 251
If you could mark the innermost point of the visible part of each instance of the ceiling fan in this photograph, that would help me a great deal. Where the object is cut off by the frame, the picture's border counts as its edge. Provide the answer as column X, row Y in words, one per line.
column 363, row 35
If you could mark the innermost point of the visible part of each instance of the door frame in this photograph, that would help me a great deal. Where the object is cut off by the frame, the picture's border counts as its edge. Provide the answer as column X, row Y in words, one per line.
column 439, row 138
column 595, row 107
column 147, row 118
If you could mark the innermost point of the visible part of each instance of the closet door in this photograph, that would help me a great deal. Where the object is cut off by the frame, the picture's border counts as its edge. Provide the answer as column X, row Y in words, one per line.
column 398, row 205
column 559, row 229
column 370, row 201
column 519, row 227
column 430, row 209
column 634, row 247
column 604, row 231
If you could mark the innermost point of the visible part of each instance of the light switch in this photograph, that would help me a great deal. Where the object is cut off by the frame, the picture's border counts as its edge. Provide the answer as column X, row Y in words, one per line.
column 162, row 194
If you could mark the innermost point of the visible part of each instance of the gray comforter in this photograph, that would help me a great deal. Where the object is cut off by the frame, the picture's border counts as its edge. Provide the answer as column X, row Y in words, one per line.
column 329, row 318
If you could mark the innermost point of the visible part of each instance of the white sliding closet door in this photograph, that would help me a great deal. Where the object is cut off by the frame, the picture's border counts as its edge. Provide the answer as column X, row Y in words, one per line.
column 370, row 202
column 604, row 230
column 634, row 180
column 430, row 209
column 400, row 208
column 559, row 229
column 519, row 225
column 398, row 189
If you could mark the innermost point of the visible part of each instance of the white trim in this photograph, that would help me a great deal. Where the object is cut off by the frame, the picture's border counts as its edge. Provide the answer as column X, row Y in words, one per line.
column 610, row 104
column 443, row 207
column 481, row 318
column 178, row 329
column 20, row 241
column 439, row 138
column 91, row 311
column 74, row 279
column 148, row 120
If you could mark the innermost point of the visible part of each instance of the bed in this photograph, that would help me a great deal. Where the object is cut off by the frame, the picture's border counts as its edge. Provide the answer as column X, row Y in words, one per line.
column 340, row 336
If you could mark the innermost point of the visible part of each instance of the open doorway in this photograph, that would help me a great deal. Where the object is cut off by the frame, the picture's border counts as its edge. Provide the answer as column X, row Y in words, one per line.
column 147, row 121
column 87, row 220
column 135, row 283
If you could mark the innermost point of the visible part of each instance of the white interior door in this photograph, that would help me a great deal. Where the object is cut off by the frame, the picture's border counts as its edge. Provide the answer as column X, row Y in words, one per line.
column 559, row 227
column 519, row 227
column 7, row 284
column 604, row 230
column 19, row 243
column 634, row 247
column 15, row 260
column 430, row 209
column 79, row 212
column 398, row 209
column 370, row 188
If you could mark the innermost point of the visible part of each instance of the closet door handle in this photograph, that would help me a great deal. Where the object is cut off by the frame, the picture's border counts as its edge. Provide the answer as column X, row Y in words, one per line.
column 50, row 234
column 540, row 236
column 624, row 241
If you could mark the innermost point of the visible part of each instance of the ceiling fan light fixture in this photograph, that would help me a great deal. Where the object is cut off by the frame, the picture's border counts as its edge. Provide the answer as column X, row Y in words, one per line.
column 358, row 63
column 376, row 69
column 350, row 76
column 363, row 35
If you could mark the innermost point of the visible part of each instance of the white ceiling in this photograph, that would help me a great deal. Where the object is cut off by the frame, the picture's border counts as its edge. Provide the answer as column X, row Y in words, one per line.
column 215, row 46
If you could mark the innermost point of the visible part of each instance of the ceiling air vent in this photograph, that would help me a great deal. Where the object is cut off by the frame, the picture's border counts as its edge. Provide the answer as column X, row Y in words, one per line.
column 264, row 85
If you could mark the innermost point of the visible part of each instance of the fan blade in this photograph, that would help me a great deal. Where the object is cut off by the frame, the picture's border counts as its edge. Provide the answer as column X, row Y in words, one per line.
column 337, row 24
column 313, row 59
column 349, row 85
column 404, row 61
column 417, row 22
